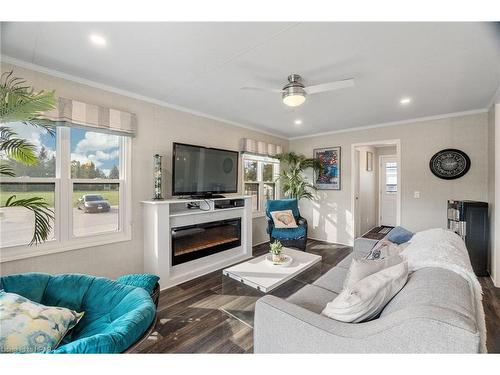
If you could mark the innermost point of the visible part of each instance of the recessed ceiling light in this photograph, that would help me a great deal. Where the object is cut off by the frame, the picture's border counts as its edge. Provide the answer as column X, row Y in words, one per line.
column 98, row 40
column 405, row 101
column 298, row 122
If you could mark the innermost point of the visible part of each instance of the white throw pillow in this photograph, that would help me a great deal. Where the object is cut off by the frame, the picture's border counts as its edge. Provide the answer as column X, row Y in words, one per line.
column 368, row 297
column 361, row 268
column 284, row 219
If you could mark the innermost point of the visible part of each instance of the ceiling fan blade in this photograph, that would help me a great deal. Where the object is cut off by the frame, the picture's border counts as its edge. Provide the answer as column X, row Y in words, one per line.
column 261, row 89
column 316, row 89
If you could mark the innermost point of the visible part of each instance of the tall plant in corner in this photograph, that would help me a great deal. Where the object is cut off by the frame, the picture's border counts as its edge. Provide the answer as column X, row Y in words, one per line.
column 20, row 103
column 292, row 180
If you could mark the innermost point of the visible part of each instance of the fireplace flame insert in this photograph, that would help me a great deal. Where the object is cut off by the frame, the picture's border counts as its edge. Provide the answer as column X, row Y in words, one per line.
column 200, row 240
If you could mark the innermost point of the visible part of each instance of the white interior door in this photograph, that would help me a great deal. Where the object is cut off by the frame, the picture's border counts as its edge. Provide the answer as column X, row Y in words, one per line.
column 388, row 190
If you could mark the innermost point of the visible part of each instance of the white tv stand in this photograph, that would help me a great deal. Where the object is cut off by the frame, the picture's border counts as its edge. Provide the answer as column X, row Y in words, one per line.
column 161, row 216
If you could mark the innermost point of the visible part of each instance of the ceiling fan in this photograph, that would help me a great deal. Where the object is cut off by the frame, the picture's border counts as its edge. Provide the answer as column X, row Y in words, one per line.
column 294, row 92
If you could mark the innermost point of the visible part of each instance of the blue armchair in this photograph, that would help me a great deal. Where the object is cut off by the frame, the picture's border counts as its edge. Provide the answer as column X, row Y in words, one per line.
column 289, row 237
column 117, row 316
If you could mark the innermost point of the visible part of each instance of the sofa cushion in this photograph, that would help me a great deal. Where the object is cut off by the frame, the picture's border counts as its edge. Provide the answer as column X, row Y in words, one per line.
column 289, row 233
column 312, row 298
column 333, row 280
column 346, row 262
column 368, row 297
column 435, row 287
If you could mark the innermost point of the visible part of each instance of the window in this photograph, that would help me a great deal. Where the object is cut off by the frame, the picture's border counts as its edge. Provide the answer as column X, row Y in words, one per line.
column 17, row 222
column 391, row 177
column 81, row 175
column 259, row 180
column 95, row 182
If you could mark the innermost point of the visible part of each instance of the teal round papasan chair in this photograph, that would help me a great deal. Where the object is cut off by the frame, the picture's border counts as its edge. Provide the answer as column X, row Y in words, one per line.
column 116, row 316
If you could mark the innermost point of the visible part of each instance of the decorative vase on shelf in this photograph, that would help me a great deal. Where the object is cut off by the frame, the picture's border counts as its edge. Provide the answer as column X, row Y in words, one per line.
column 157, row 175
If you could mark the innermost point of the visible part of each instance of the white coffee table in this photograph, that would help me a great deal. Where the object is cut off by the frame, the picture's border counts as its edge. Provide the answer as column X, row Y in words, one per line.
column 265, row 276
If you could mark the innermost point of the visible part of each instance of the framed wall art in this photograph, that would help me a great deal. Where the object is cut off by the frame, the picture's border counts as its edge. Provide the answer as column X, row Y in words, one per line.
column 329, row 177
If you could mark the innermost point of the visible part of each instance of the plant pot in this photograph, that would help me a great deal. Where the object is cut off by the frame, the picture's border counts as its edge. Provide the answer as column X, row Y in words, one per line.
column 277, row 257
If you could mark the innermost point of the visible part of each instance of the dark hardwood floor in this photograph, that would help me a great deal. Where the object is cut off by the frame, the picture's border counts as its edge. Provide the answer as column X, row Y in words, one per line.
column 214, row 314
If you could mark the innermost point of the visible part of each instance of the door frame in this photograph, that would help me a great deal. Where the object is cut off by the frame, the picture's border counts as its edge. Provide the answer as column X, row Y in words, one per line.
column 355, row 189
column 379, row 188
column 388, row 142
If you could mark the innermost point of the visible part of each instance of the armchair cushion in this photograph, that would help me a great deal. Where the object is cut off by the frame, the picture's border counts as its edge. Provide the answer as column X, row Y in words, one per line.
column 142, row 280
column 289, row 233
column 282, row 205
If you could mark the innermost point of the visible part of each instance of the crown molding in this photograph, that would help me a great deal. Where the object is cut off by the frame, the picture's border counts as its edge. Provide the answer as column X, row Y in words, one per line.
column 394, row 123
column 115, row 90
column 495, row 99
column 55, row 73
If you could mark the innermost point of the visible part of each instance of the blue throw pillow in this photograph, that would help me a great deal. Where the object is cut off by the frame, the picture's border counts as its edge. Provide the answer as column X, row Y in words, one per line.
column 399, row 235
column 141, row 280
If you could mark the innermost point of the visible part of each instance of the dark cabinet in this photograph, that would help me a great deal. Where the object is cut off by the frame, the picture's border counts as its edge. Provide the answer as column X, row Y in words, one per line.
column 469, row 219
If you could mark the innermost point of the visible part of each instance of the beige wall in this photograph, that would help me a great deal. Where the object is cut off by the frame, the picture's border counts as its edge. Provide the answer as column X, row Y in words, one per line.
column 385, row 150
column 330, row 217
column 158, row 127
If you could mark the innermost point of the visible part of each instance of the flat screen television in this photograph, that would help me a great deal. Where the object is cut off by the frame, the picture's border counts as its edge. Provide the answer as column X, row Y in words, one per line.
column 203, row 172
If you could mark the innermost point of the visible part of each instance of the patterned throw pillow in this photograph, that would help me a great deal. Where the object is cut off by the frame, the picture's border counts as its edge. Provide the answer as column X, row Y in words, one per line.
column 283, row 219
column 29, row 327
column 385, row 249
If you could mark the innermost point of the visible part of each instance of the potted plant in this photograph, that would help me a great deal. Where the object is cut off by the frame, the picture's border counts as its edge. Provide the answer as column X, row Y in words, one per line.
column 21, row 103
column 292, row 180
column 276, row 251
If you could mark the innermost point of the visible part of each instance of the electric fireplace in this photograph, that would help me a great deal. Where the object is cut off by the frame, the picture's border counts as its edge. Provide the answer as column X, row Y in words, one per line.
column 197, row 241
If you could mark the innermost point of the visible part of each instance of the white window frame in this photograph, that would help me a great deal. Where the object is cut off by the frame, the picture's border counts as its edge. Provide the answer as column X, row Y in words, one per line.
column 65, row 240
column 276, row 170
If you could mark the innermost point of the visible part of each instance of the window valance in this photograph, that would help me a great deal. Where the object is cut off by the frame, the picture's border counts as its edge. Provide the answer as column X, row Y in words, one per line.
column 71, row 112
column 253, row 146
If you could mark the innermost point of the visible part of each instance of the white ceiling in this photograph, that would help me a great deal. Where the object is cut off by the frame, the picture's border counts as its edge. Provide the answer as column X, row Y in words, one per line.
column 443, row 67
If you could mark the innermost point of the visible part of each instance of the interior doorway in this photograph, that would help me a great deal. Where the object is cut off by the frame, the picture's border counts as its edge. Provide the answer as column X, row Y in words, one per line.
column 375, row 181
column 387, row 190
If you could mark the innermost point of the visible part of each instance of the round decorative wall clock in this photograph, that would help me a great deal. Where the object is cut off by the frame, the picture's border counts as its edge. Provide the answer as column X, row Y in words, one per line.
column 449, row 164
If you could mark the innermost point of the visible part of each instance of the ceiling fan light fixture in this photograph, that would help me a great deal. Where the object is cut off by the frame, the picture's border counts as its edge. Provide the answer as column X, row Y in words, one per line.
column 294, row 93
column 294, row 96
column 294, row 100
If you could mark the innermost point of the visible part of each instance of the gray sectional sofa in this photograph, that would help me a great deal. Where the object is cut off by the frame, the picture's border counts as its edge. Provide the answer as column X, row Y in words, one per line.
column 433, row 313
